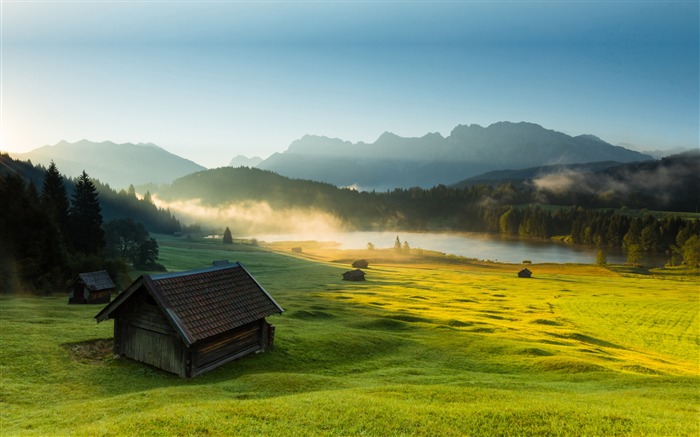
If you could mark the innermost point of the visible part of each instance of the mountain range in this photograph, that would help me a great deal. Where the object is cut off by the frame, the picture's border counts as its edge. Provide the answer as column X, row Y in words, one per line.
column 394, row 161
column 389, row 162
column 118, row 165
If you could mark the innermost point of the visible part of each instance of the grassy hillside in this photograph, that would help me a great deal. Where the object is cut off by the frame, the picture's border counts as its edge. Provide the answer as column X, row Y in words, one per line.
column 426, row 346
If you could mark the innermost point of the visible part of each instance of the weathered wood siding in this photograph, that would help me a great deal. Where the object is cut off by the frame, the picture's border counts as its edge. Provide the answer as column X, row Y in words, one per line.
column 102, row 296
column 79, row 294
column 145, row 335
column 234, row 344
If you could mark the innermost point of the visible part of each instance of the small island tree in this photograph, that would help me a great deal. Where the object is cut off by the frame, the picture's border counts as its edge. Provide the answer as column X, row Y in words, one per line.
column 228, row 238
column 600, row 259
column 397, row 245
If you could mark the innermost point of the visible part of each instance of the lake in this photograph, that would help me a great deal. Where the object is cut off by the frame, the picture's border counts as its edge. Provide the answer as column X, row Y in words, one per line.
column 469, row 245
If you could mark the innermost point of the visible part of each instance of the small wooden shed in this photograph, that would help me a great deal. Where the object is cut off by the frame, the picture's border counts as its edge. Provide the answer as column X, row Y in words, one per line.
column 191, row 322
column 524, row 273
column 360, row 264
column 354, row 275
column 91, row 287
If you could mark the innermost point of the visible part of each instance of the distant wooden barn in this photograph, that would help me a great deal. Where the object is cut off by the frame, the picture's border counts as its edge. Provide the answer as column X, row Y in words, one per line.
column 360, row 264
column 191, row 322
column 354, row 275
column 91, row 287
column 524, row 273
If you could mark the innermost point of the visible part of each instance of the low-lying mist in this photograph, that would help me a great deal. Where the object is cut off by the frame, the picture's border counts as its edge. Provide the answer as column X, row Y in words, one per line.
column 253, row 217
column 668, row 184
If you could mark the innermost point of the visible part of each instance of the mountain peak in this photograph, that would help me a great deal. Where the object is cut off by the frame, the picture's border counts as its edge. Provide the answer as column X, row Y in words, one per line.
column 590, row 137
column 116, row 164
column 394, row 161
column 244, row 161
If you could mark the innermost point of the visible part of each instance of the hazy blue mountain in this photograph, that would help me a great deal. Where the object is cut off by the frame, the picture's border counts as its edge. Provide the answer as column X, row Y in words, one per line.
column 394, row 161
column 244, row 161
column 658, row 154
column 115, row 164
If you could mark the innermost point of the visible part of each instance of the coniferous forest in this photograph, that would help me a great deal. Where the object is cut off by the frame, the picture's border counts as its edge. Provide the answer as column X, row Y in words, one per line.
column 54, row 229
column 51, row 227
column 512, row 209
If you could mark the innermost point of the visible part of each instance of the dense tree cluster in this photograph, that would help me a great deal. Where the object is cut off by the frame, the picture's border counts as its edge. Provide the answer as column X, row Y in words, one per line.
column 130, row 242
column 126, row 204
column 494, row 209
column 46, row 239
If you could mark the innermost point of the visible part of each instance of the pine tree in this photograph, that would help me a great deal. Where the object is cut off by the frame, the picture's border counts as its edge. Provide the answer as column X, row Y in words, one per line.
column 228, row 238
column 600, row 259
column 397, row 244
column 691, row 251
column 634, row 254
column 85, row 217
column 54, row 198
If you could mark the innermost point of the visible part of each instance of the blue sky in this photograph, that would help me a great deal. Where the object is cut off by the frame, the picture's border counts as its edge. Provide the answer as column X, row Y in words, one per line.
column 210, row 80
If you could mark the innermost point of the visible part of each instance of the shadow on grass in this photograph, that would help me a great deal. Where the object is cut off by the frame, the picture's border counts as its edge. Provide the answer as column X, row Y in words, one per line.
column 586, row 339
column 96, row 351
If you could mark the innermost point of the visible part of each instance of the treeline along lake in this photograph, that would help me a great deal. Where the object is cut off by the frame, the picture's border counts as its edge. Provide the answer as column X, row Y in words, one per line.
column 469, row 245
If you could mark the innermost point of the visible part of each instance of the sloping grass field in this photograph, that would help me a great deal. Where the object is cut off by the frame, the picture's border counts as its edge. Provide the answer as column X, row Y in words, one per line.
column 428, row 345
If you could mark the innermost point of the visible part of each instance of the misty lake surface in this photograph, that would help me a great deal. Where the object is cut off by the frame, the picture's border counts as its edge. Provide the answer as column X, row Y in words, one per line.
column 469, row 245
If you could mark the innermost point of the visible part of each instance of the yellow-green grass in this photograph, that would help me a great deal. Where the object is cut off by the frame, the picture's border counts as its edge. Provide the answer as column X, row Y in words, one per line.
column 430, row 346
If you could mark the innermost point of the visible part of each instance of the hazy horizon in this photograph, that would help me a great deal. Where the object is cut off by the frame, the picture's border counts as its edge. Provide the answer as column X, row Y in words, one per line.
column 209, row 81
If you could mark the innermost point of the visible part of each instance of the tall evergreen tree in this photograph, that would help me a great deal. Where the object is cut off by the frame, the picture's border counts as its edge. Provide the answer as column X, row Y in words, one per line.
column 85, row 218
column 600, row 259
column 54, row 197
column 228, row 238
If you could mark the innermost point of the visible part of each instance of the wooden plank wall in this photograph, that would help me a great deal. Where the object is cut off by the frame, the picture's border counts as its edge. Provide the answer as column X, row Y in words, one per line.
column 149, row 338
column 246, row 338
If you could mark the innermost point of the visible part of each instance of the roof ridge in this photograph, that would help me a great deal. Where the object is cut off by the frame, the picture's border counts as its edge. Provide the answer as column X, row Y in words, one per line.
column 160, row 276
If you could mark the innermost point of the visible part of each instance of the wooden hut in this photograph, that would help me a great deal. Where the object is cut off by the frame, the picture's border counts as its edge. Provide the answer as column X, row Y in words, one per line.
column 524, row 273
column 191, row 322
column 91, row 287
column 354, row 275
column 360, row 264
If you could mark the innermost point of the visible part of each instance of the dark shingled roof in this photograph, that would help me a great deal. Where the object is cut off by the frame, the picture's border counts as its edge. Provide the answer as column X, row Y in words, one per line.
column 96, row 281
column 203, row 303
column 525, row 273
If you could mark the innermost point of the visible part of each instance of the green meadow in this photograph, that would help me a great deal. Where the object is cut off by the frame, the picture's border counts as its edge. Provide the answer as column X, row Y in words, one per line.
column 428, row 345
